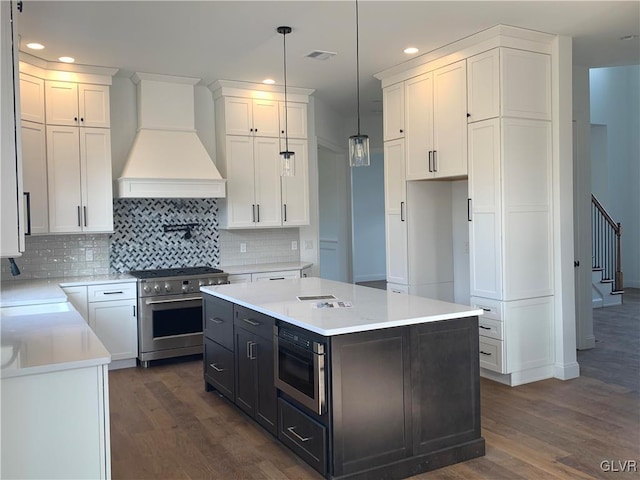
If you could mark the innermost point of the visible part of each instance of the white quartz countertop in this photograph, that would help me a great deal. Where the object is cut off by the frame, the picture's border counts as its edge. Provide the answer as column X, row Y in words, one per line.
column 264, row 267
column 371, row 309
column 35, row 341
column 31, row 292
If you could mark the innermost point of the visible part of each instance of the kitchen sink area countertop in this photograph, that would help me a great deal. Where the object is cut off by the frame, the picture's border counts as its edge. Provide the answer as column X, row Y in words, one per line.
column 363, row 308
column 264, row 267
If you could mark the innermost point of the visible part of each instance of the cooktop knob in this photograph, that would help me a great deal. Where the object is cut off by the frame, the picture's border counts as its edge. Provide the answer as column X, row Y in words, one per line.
column 211, row 282
column 167, row 287
column 201, row 283
column 146, row 289
column 185, row 288
column 156, row 288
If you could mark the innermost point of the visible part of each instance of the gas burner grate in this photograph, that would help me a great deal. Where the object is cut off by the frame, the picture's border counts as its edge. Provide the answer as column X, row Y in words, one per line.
column 174, row 272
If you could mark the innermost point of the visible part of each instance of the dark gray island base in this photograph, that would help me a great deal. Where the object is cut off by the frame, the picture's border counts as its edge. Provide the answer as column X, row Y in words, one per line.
column 397, row 401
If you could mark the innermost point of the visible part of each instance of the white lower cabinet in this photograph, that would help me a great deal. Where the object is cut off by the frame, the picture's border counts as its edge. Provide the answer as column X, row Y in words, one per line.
column 272, row 275
column 111, row 312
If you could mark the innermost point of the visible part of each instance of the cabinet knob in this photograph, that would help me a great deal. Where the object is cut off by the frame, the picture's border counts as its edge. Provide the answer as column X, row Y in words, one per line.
column 468, row 115
column 75, row 119
column 81, row 119
column 401, row 131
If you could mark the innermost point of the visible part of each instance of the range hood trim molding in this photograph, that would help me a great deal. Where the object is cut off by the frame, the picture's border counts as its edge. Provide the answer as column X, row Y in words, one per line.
column 168, row 188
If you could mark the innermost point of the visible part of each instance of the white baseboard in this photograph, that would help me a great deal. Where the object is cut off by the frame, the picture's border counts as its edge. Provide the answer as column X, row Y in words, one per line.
column 567, row 371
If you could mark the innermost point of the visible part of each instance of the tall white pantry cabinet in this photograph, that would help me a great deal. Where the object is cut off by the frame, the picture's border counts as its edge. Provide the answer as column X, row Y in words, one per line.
column 507, row 156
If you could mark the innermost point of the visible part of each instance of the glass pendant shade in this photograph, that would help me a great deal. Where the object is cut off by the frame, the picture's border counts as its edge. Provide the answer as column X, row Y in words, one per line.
column 359, row 150
column 288, row 164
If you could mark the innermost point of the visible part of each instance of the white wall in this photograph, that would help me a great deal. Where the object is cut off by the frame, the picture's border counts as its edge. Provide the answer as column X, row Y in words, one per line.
column 615, row 102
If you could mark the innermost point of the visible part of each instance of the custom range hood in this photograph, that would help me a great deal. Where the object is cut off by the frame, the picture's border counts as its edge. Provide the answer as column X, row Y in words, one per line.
column 167, row 159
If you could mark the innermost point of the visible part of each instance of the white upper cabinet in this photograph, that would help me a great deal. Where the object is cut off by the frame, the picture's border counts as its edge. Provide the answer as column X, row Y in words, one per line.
column 31, row 98
column 248, row 116
column 510, row 83
column 79, row 173
column 295, row 120
column 34, row 177
column 436, row 123
column 76, row 104
column 295, row 189
column 393, row 106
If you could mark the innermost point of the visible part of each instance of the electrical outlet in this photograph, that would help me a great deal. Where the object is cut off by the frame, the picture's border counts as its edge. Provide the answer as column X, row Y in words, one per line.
column 294, row 245
column 243, row 247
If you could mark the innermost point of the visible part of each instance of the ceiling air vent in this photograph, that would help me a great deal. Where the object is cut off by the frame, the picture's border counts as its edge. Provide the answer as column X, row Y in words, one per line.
column 320, row 55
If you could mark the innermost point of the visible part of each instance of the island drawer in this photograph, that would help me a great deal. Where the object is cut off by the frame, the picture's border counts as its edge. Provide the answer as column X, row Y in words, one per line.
column 219, row 368
column 256, row 322
column 218, row 320
column 303, row 435
column 490, row 328
column 491, row 356
column 111, row 291
column 490, row 308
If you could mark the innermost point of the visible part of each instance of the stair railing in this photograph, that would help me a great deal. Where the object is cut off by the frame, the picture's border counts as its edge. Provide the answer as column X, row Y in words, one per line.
column 606, row 244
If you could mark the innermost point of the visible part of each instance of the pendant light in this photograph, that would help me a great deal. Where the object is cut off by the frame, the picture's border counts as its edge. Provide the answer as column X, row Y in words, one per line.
column 287, row 158
column 358, row 144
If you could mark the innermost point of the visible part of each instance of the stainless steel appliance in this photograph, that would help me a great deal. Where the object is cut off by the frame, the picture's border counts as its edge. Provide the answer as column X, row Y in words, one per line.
column 300, row 368
column 170, row 310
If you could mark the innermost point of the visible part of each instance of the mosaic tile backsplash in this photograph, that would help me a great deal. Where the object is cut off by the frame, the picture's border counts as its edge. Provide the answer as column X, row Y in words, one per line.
column 140, row 242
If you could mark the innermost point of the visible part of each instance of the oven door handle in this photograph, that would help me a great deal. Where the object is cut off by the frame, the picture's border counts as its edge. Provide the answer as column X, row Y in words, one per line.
column 189, row 299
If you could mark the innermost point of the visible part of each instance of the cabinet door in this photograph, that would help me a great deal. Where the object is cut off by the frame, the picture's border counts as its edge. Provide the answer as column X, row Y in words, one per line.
column 393, row 111
column 295, row 190
column 266, row 118
column 240, row 182
column 267, row 395
column 34, row 177
column 396, row 236
column 63, row 165
column 485, row 239
column 62, row 103
column 419, row 126
column 267, row 182
column 77, row 296
column 218, row 368
column 395, row 185
column 97, row 197
column 238, row 116
column 526, row 84
column 450, row 120
column 31, row 98
column 246, row 384
column 116, row 325
column 296, row 120
column 483, row 85
column 93, row 105
column 445, row 384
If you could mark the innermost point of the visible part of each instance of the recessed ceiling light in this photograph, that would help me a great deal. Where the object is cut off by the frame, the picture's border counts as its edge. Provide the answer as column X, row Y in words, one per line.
column 35, row 46
column 411, row 50
column 67, row 59
column 269, row 81
column 629, row 37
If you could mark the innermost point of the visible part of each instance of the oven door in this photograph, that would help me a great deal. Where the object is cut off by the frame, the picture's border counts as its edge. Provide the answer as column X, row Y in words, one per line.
column 170, row 321
column 300, row 373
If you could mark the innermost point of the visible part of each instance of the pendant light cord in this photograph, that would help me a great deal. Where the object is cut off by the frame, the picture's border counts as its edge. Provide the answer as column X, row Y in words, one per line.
column 357, row 67
column 286, row 113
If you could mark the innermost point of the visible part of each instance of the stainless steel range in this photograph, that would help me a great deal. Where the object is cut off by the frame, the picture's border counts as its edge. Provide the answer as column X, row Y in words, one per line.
column 170, row 310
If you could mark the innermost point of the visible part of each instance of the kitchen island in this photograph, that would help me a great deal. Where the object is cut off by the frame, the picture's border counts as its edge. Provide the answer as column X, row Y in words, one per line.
column 359, row 382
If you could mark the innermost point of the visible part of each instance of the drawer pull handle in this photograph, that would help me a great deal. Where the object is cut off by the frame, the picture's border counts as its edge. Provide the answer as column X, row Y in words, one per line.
column 485, row 309
column 292, row 430
column 485, row 353
column 113, row 293
column 251, row 322
column 217, row 369
column 484, row 328
column 216, row 320
column 277, row 278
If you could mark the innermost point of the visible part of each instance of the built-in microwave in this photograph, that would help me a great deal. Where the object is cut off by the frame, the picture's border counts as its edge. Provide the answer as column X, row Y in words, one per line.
column 300, row 372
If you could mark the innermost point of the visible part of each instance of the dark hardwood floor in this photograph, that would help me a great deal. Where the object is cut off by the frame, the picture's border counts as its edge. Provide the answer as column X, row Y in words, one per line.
column 165, row 426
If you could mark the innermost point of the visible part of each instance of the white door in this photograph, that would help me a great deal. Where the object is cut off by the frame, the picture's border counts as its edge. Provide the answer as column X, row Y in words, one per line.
column 295, row 190
column 238, row 114
column 267, row 182
column 296, row 119
column 395, row 185
column 97, row 195
column 393, row 106
column 34, row 175
column 116, row 326
column 93, row 105
column 31, row 98
column 266, row 118
column 63, row 165
column 240, row 182
column 396, row 238
column 450, row 120
column 62, row 103
column 419, row 126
